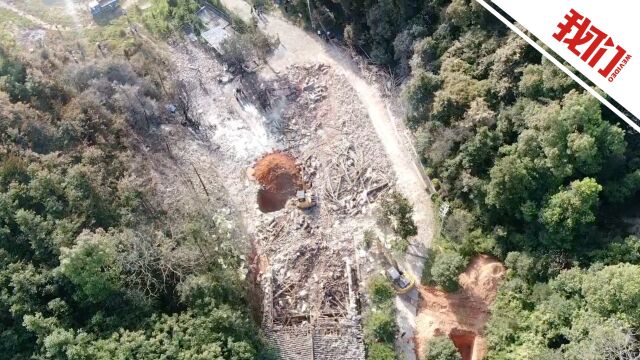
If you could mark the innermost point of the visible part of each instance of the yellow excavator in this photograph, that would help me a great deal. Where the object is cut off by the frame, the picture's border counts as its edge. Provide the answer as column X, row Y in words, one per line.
column 402, row 282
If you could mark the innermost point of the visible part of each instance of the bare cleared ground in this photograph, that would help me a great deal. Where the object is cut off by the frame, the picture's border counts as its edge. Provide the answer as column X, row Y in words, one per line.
column 315, row 117
column 213, row 159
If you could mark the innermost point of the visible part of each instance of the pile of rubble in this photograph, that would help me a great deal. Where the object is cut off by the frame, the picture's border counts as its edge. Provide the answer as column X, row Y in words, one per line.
column 340, row 159
column 307, row 267
column 352, row 182
column 348, row 168
column 310, row 281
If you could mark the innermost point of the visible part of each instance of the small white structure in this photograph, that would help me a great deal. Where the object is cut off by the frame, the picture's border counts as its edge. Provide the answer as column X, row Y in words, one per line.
column 217, row 26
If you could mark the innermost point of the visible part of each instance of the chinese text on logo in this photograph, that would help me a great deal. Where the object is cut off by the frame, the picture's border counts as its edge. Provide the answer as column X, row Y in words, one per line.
column 592, row 45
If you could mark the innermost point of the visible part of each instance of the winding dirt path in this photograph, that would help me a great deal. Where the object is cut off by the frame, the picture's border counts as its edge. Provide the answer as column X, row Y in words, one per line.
column 33, row 19
column 298, row 47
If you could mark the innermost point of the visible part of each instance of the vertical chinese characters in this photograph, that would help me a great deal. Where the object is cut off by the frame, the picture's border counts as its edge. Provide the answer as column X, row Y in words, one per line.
column 592, row 45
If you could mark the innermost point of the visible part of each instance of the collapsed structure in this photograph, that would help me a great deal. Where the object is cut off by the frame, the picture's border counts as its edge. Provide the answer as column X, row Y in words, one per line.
column 333, row 332
column 217, row 26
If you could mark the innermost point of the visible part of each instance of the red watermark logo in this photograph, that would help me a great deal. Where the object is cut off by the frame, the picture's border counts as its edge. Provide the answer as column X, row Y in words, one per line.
column 592, row 45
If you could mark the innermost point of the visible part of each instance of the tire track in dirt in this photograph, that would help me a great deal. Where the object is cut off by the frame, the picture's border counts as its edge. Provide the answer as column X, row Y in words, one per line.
column 43, row 24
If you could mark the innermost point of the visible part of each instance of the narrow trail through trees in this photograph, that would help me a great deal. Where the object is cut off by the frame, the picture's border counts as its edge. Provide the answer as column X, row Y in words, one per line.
column 29, row 17
column 36, row 20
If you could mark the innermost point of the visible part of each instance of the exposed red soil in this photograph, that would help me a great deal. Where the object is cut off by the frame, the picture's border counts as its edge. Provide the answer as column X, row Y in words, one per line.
column 280, row 179
column 464, row 341
column 277, row 172
column 463, row 314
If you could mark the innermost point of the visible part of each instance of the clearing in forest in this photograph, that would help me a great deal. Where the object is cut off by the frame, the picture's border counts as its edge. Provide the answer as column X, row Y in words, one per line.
column 461, row 315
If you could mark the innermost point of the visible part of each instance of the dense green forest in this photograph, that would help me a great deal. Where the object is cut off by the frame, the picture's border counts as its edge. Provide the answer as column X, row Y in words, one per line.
column 90, row 266
column 537, row 173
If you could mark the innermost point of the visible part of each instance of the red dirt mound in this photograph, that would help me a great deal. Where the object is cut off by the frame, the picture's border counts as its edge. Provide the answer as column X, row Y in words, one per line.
column 278, row 172
column 280, row 179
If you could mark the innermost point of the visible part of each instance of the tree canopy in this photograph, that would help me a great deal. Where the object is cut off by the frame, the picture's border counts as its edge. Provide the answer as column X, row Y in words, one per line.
column 441, row 348
column 90, row 266
column 536, row 172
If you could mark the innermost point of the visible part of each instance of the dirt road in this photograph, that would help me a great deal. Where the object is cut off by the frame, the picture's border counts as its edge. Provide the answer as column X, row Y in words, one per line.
column 298, row 46
column 29, row 17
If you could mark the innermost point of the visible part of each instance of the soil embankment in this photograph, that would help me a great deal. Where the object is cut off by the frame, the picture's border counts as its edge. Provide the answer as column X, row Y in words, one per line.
column 463, row 314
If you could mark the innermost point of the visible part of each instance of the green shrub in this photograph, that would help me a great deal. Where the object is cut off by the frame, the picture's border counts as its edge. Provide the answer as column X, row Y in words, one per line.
column 627, row 250
column 380, row 290
column 436, row 184
column 378, row 351
column 380, row 326
column 446, row 268
column 521, row 264
column 426, row 271
column 166, row 17
column 400, row 245
column 397, row 213
column 369, row 238
column 477, row 242
column 442, row 348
